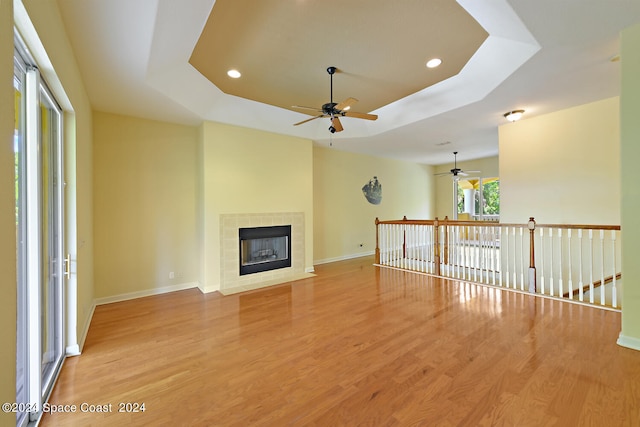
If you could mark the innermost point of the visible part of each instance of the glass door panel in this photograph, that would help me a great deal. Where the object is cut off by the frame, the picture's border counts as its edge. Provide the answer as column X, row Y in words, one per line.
column 22, row 379
column 39, row 238
column 51, row 283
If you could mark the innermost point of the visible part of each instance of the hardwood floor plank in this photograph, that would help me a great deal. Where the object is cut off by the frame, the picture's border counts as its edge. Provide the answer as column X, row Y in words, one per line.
column 355, row 345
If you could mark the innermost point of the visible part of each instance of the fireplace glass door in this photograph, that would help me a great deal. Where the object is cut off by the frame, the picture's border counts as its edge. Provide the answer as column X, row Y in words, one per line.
column 264, row 249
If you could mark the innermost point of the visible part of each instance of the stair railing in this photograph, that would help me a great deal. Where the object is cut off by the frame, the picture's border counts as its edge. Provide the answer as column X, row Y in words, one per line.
column 568, row 261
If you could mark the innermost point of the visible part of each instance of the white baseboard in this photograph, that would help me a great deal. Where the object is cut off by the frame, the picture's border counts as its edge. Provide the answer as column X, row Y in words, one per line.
column 629, row 342
column 72, row 350
column 85, row 330
column 145, row 293
column 343, row 258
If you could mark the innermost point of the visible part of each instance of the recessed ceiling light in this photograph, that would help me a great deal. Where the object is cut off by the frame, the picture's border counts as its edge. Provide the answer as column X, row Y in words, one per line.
column 433, row 63
column 234, row 74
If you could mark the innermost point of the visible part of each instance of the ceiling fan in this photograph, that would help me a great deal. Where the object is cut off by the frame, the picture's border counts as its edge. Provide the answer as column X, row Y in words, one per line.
column 456, row 172
column 334, row 111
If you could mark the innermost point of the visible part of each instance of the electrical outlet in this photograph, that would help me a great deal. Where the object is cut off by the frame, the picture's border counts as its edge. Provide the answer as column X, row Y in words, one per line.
column 172, row 275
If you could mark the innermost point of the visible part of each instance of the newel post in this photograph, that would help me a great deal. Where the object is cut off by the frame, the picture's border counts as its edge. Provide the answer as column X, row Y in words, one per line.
column 436, row 246
column 531, row 225
column 377, row 255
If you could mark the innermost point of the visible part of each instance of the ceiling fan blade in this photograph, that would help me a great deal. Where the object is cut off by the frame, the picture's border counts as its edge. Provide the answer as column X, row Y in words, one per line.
column 308, row 120
column 345, row 104
column 360, row 115
column 335, row 122
column 300, row 107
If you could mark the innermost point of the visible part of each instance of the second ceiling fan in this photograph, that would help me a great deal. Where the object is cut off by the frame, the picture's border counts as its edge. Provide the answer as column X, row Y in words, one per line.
column 456, row 172
column 335, row 110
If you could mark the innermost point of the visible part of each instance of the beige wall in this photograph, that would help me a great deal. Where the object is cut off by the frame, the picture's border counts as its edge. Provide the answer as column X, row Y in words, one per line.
column 145, row 204
column 562, row 167
column 488, row 168
column 249, row 171
column 7, row 216
column 343, row 218
column 630, row 205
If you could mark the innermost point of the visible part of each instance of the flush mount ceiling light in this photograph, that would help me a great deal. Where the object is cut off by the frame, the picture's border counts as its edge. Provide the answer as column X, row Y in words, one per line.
column 234, row 74
column 433, row 63
column 514, row 115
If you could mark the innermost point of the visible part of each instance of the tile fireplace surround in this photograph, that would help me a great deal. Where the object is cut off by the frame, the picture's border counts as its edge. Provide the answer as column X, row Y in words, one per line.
column 230, row 281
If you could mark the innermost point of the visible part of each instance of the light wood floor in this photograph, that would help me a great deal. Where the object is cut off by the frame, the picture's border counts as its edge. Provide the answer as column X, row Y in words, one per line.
column 356, row 345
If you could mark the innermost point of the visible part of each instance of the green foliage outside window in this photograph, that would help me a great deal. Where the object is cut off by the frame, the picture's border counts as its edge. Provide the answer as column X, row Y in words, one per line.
column 491, row 195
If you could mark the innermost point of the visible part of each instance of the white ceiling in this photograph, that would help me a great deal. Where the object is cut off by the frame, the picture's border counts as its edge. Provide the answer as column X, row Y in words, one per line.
column 540, row 56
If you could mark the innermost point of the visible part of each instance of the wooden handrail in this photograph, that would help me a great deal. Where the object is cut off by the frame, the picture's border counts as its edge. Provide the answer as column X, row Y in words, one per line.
column 579, row 226
column 498, row 224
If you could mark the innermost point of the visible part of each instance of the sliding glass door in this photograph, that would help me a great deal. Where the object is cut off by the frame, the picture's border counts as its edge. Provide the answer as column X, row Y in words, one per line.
column 39, row 234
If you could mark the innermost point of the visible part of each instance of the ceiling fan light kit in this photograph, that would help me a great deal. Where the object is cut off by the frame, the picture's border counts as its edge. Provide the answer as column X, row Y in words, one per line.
column 335, row 110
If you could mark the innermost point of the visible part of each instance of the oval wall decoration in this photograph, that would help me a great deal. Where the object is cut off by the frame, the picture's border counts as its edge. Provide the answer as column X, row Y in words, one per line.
column 373, row 191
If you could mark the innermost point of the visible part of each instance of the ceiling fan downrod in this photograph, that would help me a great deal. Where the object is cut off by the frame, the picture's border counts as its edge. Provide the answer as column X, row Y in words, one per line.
column 331, row 71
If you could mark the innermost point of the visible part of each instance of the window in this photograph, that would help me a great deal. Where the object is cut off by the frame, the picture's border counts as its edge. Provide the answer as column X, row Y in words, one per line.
column 478, row 198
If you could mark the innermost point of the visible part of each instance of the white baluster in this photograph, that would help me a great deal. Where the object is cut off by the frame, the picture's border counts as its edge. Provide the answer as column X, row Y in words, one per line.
column 426, row 229
column 453, row 250
column 383, row 243
column 392, row 244
column 602, row 286
column 405, row 247
column 614, row 290
column 495, row 253
column 433, row 253
column 570, row 260
column 483, row 255
column 465, row 254
column 393, row 239
column 515, row 255
column 447, row 247
column 560, row 285
column 506, row 258
column 522, row 259
column 387, row 244
column 541, row 251
column 498, row 269
column 551, row 262
column 414, row 247
column 580, row 281
column 408, row 246
column 420, row 232
column 473, row 262
column 591, row 264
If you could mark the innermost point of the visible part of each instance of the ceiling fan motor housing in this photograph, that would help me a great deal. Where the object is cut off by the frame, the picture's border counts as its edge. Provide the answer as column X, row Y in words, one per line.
column 328, row 108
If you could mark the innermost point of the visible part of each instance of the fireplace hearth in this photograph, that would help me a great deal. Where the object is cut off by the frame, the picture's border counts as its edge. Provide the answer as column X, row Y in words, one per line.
column 264, row 248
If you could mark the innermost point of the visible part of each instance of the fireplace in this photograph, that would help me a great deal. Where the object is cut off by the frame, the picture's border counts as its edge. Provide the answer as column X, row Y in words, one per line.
column 264, row 248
